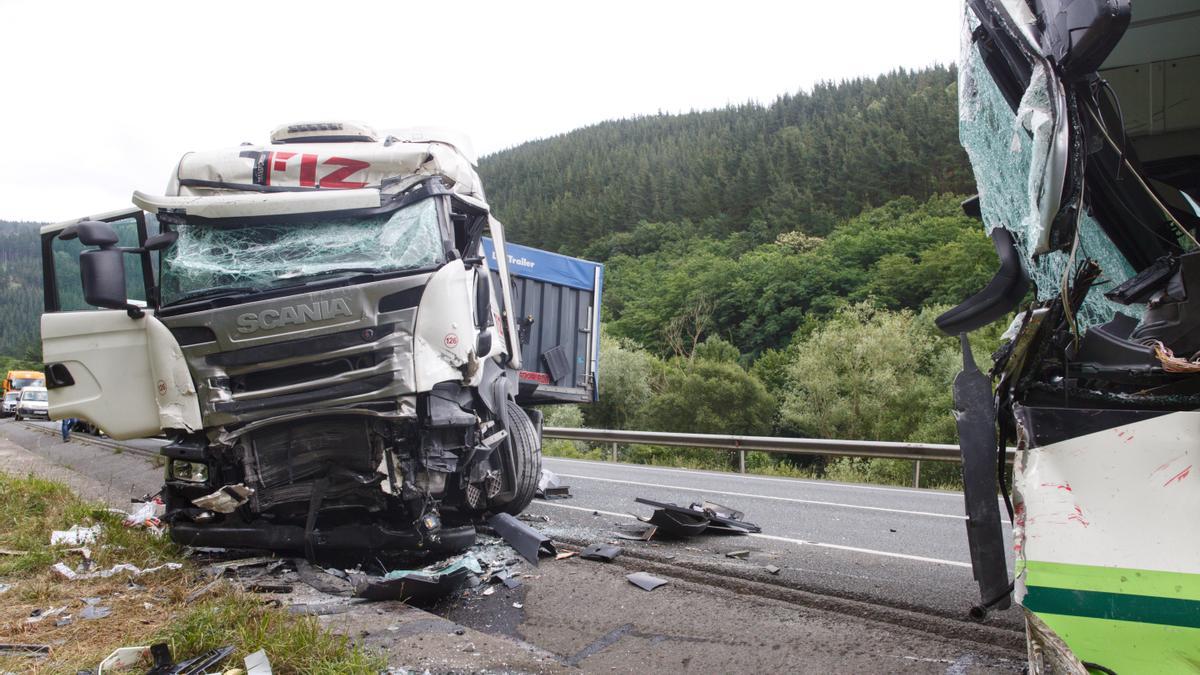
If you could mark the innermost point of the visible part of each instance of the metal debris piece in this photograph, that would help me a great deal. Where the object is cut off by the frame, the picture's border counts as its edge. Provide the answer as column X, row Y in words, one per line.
column 71, row 575
column 257, row 663
column 507, row 578
column 26, row 649
column 269, row 588
column 645, row 581
column 220, row 568
column 95, row 612
column 645, row 534
column 164, row 665
column 549, row 487
column 419, row 586
column 740, row 555
column 715, row 509
column 524, row 539
column 76, row 536
column 601, row 552
column 225, row 500
column 771, row 569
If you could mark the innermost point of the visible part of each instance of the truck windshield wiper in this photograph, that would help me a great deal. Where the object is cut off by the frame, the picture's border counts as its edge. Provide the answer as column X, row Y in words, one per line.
column 333, row 272
column 215, row 292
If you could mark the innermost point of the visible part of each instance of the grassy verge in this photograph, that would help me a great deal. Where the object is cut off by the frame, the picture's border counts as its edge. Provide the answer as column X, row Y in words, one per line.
column 145, row 609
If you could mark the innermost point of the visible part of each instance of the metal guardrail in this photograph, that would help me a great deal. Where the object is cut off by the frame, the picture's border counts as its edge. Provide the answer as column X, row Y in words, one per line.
column 934, row 452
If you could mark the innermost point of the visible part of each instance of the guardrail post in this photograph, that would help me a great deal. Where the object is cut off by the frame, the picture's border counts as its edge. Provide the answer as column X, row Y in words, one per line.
column 917, row 474
column 614, row 451
column 741, row 459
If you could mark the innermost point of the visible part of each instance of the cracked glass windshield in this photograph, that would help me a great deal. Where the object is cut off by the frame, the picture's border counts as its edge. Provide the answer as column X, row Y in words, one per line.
column 208, row 260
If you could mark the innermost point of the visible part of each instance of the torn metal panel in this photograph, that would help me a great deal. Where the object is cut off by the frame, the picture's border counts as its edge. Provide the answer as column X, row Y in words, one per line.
column 524, row 539
column 419, row 586
column 225, row 500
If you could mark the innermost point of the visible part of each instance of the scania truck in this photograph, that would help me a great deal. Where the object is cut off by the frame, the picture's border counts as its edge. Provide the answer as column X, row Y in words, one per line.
column 327, row 338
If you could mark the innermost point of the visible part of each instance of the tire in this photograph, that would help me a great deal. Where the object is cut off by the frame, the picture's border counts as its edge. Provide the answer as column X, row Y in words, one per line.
column 527, row 452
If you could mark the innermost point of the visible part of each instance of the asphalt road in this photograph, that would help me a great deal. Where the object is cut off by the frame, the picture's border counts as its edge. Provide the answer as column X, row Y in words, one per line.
column 900, row 547
column 877, row 554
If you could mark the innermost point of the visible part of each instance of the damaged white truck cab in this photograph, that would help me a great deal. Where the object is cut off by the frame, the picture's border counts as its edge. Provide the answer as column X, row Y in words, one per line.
column 317, row 330
column 1081, row 119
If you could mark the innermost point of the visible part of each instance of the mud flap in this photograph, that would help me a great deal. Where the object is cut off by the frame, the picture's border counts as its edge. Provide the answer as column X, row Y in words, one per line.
column 975, row 416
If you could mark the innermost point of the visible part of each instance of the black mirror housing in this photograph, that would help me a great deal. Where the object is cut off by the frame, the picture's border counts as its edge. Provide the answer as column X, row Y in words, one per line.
column 96, row 233
column 103, row 275
column 1080, row 34
column 158, row 242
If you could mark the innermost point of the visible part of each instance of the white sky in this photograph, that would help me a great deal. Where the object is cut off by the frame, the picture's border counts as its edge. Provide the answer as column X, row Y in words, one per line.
column 100, row 98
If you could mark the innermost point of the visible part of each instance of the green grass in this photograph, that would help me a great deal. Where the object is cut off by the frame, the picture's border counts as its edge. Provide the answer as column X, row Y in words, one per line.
column 293, row 644
column 154, row 610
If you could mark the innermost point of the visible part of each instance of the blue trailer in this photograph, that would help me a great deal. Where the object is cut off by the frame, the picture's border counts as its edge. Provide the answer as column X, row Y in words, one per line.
column 557, row 303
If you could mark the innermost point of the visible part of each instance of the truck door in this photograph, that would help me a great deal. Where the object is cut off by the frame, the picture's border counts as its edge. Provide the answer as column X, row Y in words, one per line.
column 120, row 369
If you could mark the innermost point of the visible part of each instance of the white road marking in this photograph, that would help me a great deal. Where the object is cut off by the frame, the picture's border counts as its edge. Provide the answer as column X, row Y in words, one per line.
column 789, row 540
column 791, row 481
column 773, row 498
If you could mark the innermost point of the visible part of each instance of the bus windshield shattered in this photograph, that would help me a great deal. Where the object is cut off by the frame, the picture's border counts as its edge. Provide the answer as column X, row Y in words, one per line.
column 1083, row 131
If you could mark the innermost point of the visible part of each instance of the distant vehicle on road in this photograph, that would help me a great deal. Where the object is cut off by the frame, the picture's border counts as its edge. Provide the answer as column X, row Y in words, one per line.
column 9, row 405
column 33, row 404
column 16, row 380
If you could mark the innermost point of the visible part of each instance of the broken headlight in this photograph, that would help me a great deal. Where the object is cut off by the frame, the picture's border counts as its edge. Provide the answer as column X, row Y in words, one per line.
column 192, row 472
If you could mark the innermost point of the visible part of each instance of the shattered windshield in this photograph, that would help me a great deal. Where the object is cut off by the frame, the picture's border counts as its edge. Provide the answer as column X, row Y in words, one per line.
column 208, row 260
column 1010, row 155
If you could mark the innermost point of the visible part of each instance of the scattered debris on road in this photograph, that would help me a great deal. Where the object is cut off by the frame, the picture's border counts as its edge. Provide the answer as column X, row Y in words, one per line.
column 225, row 500
column 640, row 534
column 771, row 569
column 549, row 487
column 601, row 552
column 740, row 555
column 524, row 539
column 703, row 517
column 23, row 649
column 645, row 581
column 419, row 586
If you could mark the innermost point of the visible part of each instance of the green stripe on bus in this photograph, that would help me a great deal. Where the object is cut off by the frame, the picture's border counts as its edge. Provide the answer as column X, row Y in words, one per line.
column 1181, row 585
column 1113, row 606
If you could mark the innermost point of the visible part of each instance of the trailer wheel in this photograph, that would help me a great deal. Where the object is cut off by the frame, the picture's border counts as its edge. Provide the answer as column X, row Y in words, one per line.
column 527, row 452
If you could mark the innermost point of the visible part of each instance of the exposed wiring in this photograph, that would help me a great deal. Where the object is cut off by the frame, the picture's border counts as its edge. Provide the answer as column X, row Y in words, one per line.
column 1172, row 363
column 1145, row 186
column 1120, row 122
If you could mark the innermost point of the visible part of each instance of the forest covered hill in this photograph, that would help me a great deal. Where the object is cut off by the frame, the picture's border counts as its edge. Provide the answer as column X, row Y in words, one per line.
column 804, row 162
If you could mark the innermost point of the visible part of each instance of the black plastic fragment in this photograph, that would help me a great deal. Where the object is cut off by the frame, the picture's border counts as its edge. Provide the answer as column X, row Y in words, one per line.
column 524, row 539
column 679, row 524
column 601, row 552
column 163, row 664
column 645, row 581
column 975, row 415
column 707, row 511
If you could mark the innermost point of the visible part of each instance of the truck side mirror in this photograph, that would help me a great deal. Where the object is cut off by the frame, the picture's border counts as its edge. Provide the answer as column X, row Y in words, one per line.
column 103, row 274
column 102, row 270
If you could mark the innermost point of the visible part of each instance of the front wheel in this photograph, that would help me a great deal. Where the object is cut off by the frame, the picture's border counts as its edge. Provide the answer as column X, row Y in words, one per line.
column 527, row 456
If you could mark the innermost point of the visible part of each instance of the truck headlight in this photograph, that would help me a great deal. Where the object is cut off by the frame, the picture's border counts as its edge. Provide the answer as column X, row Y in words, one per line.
column 192, row 472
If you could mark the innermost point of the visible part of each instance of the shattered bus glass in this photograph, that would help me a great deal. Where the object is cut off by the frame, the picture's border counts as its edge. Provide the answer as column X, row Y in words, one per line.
column 1080, row 123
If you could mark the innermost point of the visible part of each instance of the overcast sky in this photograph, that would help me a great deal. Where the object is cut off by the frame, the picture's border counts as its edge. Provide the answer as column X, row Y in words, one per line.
column 101, row 98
